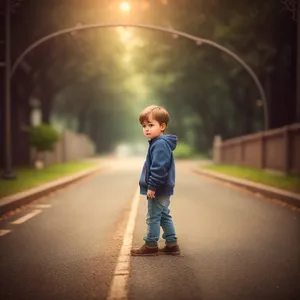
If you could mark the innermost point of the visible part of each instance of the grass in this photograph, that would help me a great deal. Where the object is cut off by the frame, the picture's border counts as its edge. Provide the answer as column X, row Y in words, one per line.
column 29, row 177
column 290, row 182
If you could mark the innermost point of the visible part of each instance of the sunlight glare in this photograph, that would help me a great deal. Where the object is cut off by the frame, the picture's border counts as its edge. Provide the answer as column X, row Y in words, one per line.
column 125, row 34
column 125, row 6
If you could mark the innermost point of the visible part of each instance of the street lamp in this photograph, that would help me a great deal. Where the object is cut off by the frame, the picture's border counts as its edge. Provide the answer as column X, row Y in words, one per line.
column 8, row 173
column 125, row 6
column 11, row 70
column 199, row 41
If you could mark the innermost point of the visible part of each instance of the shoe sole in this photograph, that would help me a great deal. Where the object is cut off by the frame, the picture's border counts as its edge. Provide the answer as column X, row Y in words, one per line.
column 148, row 254
column 169, row 253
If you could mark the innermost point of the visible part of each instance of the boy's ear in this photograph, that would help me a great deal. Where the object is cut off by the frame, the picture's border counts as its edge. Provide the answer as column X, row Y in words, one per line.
column 163, row 126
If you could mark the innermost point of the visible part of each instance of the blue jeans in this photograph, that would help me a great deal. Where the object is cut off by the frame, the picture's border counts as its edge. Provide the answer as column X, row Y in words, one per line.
column 159, row 215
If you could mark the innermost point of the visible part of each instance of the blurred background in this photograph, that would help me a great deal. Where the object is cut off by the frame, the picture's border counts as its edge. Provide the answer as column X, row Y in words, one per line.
column 91, row 85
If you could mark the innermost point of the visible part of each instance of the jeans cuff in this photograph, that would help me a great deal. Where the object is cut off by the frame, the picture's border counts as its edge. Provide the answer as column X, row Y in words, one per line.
column 173, row 243
column 151, row 245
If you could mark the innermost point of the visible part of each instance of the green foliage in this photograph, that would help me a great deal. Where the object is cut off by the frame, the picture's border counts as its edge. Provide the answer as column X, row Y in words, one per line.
column 106, row 76
column 215, row 86
column 183, row 151
column 43, row 137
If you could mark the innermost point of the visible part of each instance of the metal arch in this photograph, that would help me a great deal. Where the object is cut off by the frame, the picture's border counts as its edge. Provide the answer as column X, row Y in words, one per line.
column 199, row 41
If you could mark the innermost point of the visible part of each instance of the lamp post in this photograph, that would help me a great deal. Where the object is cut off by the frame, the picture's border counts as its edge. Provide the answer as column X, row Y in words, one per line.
column 298, row 62
column 9, row 71
column 198, row 40
column 8, row 173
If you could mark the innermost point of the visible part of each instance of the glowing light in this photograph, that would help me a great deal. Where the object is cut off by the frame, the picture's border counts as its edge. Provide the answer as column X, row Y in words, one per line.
column 125, row 34
column 125, row 6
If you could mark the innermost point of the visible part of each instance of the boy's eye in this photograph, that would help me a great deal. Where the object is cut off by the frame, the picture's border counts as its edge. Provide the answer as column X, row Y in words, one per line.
column 151, row 125
column 144, row 126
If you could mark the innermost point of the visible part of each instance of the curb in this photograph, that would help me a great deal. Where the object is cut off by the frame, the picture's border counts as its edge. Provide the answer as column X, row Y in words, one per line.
column 17, row 200
column 286, row 196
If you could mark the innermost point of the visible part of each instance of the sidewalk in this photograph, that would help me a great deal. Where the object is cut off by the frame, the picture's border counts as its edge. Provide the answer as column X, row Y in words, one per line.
column 268, row 191
column 17, row 200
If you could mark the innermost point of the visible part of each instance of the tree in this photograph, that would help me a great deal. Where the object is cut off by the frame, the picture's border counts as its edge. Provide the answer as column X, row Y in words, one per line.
column 42, row 138
column 217, row 88
column 208, row 92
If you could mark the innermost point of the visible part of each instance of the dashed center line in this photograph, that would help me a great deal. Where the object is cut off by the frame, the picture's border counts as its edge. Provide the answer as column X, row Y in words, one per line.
column 118, row 287
column 27, row 217
column 4, row 232
column 42, row 205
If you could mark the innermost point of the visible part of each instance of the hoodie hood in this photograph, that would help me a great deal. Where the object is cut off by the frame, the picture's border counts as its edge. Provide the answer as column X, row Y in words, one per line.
column 170, row 139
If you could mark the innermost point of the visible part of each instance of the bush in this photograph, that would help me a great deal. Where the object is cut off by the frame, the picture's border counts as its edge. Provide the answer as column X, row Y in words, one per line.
column 43, row 137
column 183, row 151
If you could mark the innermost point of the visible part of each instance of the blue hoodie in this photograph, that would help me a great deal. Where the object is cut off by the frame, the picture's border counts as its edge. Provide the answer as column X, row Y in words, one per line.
column 158, row 173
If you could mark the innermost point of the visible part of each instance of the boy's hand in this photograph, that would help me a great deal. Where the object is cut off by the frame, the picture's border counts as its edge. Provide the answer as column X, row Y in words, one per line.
column 151, row 194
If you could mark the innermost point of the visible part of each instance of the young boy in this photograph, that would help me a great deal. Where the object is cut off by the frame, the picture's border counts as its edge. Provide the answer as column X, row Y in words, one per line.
column 157, row 182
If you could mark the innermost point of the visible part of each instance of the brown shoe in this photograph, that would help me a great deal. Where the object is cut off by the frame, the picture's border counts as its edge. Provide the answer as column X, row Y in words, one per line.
column 145, row 250
column 169, row 250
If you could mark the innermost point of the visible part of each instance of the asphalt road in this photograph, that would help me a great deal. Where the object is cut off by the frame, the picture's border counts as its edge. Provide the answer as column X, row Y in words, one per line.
column 234, row 245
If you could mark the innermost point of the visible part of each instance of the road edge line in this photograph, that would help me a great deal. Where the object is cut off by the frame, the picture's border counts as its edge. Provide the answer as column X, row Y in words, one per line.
column 119, row 286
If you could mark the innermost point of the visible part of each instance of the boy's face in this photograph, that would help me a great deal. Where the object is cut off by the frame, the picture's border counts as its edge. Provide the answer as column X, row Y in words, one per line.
column 153, row 129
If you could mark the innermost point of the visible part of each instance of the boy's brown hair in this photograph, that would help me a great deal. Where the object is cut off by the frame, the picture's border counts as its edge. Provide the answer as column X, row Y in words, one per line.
column 154, row 112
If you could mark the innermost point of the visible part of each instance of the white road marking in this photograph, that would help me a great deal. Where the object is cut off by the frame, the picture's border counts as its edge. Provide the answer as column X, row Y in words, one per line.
column 4, row 232
column 42, row 205
column 27, row 217
column 118, row 287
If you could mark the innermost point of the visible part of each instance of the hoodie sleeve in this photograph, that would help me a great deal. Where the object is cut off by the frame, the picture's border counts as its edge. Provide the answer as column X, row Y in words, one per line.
column 161, row 157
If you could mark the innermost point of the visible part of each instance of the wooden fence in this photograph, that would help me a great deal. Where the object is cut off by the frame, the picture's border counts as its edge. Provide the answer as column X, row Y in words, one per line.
column 276, row 150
